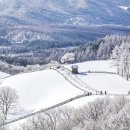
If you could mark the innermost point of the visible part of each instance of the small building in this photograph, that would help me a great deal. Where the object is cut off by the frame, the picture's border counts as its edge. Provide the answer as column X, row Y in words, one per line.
column 74, row 69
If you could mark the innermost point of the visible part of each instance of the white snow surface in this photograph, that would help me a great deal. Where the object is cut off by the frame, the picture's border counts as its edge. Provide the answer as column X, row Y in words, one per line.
column 124, row 7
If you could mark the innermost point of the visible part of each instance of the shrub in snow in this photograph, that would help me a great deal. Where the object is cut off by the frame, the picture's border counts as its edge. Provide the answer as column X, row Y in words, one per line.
column 68, row 58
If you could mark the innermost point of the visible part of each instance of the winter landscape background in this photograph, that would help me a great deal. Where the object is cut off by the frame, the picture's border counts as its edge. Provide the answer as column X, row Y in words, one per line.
column 39, row 31
column 41, row 41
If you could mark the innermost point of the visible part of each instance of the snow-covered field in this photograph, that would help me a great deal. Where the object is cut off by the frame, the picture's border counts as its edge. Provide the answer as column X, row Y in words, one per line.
column 45, row 88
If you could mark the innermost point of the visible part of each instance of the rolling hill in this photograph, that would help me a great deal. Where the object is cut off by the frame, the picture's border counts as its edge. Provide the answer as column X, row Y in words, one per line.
column 46, row 88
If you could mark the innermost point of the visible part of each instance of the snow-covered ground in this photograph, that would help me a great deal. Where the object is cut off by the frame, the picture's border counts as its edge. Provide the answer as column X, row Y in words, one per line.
column 45, row 88
column 2, row 75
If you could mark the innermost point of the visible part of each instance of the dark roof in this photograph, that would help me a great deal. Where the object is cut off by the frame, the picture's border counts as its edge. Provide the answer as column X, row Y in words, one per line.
column 74, row 66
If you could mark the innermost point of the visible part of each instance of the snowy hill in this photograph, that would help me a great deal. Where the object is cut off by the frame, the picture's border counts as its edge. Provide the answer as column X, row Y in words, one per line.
column 45, row 88
column 41, row 89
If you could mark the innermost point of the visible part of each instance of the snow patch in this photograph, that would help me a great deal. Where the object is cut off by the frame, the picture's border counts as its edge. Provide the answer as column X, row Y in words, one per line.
column 124, row 7
column 81, row 4
column 41, row 89
column 77, row 21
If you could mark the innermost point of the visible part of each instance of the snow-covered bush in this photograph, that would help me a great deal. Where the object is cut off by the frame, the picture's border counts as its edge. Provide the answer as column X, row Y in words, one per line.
column 68, row 57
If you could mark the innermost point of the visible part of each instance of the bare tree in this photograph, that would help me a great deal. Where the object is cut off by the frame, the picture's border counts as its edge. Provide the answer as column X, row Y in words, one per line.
column 67, row 119
column 8, row 100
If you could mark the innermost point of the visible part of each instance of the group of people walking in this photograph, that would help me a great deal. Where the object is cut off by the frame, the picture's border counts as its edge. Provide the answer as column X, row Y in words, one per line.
column 98, row 93
column 101, row 93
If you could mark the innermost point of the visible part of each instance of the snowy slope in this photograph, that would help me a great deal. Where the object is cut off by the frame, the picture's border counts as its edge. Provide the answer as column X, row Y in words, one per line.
column 45, row 88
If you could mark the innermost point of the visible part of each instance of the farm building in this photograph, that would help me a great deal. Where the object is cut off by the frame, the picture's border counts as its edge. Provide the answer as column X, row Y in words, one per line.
column 74, row 69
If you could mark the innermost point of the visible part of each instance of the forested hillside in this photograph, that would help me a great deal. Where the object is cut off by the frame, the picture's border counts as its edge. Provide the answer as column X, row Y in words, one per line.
column 98, row 50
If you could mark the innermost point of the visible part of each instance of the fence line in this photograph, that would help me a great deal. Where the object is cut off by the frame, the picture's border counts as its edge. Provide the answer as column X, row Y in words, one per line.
column 81, row 82
column 104, row 72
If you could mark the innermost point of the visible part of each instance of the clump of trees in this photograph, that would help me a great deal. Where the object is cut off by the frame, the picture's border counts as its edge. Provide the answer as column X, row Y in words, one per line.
column 101, row 114
column 68, row 58
column 121, row 59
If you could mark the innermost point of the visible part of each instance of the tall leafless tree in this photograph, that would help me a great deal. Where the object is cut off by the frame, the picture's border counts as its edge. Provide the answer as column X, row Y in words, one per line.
column 8, row 100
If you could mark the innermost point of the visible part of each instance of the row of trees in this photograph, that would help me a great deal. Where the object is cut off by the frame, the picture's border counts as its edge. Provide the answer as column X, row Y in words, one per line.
column 12, row 69
column 121, row 59
column 101, row 114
